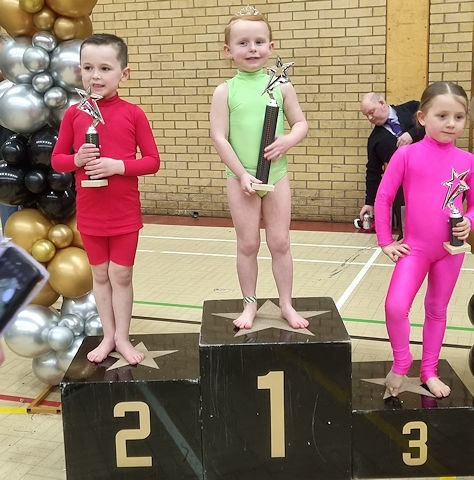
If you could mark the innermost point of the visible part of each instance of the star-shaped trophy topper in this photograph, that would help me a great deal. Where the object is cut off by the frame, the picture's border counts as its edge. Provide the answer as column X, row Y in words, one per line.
column 279, row 75
column 456, row 185
column 88, row 104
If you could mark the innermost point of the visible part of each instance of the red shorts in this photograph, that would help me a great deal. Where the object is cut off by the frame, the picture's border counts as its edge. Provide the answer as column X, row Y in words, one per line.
column 120, row 249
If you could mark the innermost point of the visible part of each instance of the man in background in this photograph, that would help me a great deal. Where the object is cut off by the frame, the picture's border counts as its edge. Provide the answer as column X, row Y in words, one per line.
column 394, row 126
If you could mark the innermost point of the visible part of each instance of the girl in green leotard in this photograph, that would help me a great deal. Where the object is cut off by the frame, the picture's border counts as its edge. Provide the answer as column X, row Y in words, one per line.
column 237, row 117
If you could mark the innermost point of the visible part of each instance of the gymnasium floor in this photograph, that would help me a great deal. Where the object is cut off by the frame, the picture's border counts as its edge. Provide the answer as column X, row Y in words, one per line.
column 182, row 262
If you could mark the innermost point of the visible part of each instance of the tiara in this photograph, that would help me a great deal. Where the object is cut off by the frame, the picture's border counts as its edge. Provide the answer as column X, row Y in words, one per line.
column 248, row 10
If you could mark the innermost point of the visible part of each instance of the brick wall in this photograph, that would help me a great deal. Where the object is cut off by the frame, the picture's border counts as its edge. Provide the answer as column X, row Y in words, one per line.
column 338, row 47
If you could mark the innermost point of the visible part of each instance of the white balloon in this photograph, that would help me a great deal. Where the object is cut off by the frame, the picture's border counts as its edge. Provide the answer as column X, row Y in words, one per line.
column 60, row 338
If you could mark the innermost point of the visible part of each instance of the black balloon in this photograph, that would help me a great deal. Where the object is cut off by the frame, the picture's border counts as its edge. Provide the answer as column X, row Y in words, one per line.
column 60, row 181
column 57, row 205
column 41, row 146
column 13, row 190
column 15, row 150
column 36, row 181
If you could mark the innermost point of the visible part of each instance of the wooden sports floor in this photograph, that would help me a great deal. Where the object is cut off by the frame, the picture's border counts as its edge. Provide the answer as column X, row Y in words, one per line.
column 182, row 262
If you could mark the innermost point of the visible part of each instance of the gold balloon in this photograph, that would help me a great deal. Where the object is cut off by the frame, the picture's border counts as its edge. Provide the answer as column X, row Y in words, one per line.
column 44, row 19
column 72, row 224
column 46, row 296
column 70, row 273
column 31, row 6
column 72, row 8
column 43, row 250
column 83, row 27
column 64, row 28
column 27, row 226
column 61, row 235
column 14, row 20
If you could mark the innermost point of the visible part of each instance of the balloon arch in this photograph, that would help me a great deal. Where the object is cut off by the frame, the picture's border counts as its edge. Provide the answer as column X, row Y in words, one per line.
column 39, row 63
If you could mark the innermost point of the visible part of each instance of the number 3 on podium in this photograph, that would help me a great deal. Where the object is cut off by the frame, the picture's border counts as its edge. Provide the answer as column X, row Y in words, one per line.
column 275, row 382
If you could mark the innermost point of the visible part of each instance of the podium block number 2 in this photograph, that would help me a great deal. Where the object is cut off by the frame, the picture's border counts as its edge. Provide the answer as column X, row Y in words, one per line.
column 275, row 382
column 140, row 433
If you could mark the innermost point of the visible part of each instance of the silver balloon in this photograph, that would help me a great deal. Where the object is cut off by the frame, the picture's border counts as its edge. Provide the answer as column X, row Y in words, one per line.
column 4, row 86
column 55, row 97
column 36, row 59
column 11, row 60
column 64, row 65
column 56, row 114
column 46, row 368
column 27, row 336
column 84, row 306
column 42, row 82
column 65, row 357
column 60, row 338
column 72, row 321
column 23, row 110
column 93, row 326
column 44, row 40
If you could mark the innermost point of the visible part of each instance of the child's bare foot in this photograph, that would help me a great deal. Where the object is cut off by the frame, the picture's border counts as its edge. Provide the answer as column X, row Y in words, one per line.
column 129, row 352
column 394, row 382
column 437, row 387
column 294, row 319
column 245, row 320
column 100, row 353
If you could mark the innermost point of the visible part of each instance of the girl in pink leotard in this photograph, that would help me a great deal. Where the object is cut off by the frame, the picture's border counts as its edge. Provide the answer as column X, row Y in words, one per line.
column 430, row 171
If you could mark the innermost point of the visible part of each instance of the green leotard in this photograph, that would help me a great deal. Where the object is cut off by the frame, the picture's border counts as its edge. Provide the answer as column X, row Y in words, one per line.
column 246, row 118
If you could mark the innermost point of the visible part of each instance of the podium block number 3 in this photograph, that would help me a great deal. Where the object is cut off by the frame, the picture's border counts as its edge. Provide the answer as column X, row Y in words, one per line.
column 419, row 443
column 275, row 382
column 140, row 433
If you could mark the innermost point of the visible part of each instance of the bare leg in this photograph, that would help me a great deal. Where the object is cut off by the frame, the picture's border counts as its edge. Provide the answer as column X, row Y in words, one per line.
column 277, row 213
column 122, row 301
column 437, row 387
column 103, row 298
column 245, row 211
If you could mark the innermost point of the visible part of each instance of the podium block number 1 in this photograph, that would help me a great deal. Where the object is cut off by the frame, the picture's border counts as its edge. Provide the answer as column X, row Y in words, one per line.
column 275, row 382
column 140, row 433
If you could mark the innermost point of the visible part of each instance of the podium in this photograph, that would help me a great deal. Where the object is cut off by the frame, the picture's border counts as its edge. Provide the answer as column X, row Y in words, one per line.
column 275, row 401
column 412, row 435
column 124, row 422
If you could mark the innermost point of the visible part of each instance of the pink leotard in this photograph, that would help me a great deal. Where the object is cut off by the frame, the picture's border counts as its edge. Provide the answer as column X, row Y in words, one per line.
column 425, row 170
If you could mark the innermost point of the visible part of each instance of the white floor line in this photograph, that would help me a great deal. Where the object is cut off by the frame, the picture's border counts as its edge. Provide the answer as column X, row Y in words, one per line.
column 348, row 292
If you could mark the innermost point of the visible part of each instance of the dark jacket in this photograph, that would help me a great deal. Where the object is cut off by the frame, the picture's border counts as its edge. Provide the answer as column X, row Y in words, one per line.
column 382, row 144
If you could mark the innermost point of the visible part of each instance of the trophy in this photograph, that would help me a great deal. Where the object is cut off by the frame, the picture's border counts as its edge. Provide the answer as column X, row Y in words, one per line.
column 88, row 104
column 456, row 185
column 279, row 76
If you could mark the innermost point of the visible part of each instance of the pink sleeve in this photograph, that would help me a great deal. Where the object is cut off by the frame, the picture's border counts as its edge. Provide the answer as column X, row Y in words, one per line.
column 391, row 182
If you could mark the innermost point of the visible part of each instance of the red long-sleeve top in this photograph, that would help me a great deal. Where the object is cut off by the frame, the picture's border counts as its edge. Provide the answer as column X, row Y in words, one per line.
column 114, row 209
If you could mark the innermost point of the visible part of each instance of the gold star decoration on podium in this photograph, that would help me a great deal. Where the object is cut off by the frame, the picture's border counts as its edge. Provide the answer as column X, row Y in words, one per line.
column 268, row 316
column 88, row 104
column 148, row 361
column 410, row 384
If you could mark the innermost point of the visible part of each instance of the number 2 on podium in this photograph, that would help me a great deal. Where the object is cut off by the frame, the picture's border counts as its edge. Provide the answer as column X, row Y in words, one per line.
column 275, row 382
